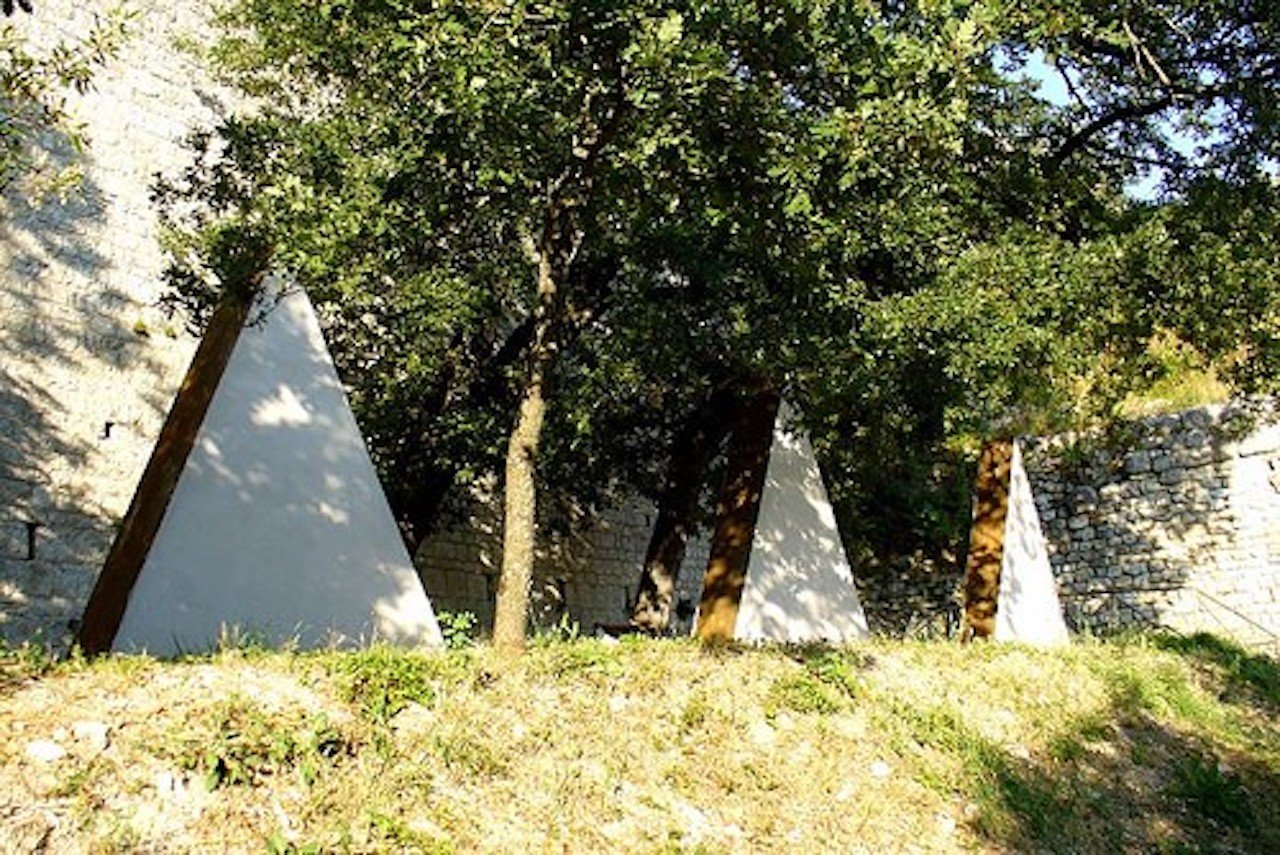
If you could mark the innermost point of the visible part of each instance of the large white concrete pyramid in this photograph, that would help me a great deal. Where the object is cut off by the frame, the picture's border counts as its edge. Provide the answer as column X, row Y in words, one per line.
column 278, row 528
column 1027, row 607
column 799, row 585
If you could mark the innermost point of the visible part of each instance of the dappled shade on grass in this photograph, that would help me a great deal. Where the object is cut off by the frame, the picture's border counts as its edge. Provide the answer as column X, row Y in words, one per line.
column 647, row 745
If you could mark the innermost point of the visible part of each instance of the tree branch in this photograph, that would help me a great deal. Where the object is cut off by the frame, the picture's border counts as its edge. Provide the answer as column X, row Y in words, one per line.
column 1127, row 113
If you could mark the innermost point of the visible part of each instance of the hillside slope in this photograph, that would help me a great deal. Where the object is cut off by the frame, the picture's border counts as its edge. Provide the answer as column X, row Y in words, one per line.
column 1159, row 744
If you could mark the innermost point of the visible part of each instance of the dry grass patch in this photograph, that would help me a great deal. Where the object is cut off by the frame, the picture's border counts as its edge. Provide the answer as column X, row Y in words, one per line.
column 647, row 746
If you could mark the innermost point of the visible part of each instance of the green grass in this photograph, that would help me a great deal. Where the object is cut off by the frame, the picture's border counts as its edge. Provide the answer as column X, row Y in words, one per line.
column 1217, row 795
column 1183, row 379
column 382, row 680
column 1159, row 743
column 238, row 743
column 1244, row 674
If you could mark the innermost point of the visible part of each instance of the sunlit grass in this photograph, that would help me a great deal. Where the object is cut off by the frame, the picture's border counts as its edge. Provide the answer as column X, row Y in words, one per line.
column 1159, row 743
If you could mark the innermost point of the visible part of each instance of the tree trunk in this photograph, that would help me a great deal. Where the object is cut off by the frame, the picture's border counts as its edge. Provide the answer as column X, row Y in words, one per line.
column 986, row 540
column 520, row 492
column 692, row 451
column 736, row 516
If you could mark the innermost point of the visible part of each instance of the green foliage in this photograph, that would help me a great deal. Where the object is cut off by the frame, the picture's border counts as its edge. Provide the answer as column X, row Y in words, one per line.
column 801, row 693
column 565, row 630
column 392, row 831
column 470, row 752
column 694, row 715
column 1181, row 379
column 1011, row 800
column 564, row 655
column 278, row 844
column 1140, row 690
column 458, row 628
column 995, row 747
column 864, row 205
column 1245, row 672
column 23, row 662
column 834, row 669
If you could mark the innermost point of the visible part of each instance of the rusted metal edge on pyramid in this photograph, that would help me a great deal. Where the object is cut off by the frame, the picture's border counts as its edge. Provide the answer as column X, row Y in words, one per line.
column 751, row 440
column 106, row 607
column 986, row 539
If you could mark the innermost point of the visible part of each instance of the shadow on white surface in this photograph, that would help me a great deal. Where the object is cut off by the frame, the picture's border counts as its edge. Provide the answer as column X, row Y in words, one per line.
column 278, row 528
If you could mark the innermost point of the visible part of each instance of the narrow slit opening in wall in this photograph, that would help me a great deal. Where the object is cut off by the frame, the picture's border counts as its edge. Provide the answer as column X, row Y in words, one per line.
column 32, row 528
column 106, row 429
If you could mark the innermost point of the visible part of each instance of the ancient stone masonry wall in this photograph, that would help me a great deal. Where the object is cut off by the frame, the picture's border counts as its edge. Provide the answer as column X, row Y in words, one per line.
column 88, row 364
column 916, row 596
column 587, row 578
column 1176, row 526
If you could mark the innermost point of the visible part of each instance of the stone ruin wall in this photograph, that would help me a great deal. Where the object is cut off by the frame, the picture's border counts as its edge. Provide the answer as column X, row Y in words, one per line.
column 88, row 363
column 1176, row 525
column 1173, row 522
column 586, row 577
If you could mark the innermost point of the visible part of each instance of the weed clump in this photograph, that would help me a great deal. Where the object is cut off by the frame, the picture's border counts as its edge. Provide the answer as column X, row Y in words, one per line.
column 801, row 693
column 382, row 681
column 237, row 743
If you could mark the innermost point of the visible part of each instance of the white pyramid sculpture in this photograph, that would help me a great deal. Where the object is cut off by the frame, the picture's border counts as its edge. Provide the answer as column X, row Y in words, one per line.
column 1027, row 606
column 278, row 528
column 799, row 585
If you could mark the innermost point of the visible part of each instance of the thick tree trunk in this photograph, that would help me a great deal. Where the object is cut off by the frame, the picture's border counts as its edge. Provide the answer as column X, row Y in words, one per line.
column 520, row 493
column 692, row 451
column 736, row 515
column 986, row 540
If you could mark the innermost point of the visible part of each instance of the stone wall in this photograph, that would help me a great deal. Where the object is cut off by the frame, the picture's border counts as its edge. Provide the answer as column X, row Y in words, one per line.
column 1176, row 525
column 587, row 577
column 914, row 595
column 88, row 364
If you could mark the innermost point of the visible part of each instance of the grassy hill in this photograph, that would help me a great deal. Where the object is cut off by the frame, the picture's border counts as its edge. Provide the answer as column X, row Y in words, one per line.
column 1155, row 744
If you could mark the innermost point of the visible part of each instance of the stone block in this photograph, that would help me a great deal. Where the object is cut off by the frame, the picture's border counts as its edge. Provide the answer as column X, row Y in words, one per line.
column 474, row 587
column 1085, row 499
column 1150, row 487
column 1199, row 419
column 14, row 540
column 1193, row 458
column 1137, row 462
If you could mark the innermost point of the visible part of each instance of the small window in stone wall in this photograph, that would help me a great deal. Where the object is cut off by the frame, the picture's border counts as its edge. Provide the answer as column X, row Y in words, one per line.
column 1274, row 464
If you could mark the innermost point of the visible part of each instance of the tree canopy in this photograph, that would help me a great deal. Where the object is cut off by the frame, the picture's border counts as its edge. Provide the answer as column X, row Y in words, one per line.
column 617, row 209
